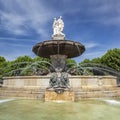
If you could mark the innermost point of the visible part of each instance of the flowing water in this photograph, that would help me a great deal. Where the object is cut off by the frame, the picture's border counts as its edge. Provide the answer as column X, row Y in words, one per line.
column 37, row 67
column 113, row 102
column 6, row 100
column 93, row 69
column 87, row 68
column 28, row 68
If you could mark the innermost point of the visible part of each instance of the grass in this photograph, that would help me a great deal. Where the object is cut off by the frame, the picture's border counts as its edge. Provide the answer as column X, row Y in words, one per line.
column 39, row 110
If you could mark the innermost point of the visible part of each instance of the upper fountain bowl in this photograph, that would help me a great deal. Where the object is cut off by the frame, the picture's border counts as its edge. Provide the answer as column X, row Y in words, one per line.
column 58, row 47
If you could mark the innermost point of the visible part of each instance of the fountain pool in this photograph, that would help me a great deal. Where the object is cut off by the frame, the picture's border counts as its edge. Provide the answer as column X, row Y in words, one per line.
column 39, row 110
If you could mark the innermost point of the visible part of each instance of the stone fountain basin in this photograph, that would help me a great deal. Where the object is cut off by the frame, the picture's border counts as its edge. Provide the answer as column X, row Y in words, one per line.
column 75, row 81
column 63, row 47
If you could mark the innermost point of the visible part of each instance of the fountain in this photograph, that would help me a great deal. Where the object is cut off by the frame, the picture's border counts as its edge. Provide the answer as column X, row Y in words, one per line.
column 58, row 49
column 58, row 82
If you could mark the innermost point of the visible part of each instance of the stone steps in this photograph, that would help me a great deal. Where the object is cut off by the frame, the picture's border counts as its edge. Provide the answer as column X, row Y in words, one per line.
column 22, row 93
column 79, row 94
column 108, row 93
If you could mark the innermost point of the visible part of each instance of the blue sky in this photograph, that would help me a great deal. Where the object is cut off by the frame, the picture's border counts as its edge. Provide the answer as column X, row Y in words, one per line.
column 94, row 23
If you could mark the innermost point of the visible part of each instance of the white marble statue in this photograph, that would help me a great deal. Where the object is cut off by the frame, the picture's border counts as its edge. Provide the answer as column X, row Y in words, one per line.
column 58, row 26
column 55, row 27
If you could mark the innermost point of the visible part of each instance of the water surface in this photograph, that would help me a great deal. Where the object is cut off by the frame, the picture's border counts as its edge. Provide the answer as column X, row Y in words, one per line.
column 39, row 110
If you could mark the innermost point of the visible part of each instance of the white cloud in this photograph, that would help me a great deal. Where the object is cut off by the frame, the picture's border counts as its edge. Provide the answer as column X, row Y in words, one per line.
column 3, row 39
column 106, row 12
column 90, row 45
column 20, row 16
column 12, row 23
column 94, row 54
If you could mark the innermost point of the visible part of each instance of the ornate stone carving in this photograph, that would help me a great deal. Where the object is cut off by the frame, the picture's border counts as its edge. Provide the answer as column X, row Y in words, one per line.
column 59, row 82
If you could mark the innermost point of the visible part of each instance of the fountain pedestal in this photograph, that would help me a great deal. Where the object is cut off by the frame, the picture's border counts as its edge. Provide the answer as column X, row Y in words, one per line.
column 52, row 96
column 58, row 62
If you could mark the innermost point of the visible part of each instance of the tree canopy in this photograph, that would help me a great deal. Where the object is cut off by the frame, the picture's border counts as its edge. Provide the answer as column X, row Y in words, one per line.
column 110, row 59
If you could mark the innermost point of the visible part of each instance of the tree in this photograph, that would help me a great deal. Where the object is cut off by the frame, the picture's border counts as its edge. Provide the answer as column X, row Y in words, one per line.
column 24, row 59
column 71, row 66
column 96, row 60
column 41, row 65
column 37, row 59
column 109, row 63
column 71, row 63
column 3, row 63
column 2, row 59
column 40, row 59
column 112, row 59
column 16, row 66
column 85, row 61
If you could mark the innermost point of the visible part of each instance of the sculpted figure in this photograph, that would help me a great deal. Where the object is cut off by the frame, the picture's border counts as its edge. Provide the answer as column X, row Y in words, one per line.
column 55, row 26
column 64, row 80
column 61, row 25
column 58, row 26
column 53, row 81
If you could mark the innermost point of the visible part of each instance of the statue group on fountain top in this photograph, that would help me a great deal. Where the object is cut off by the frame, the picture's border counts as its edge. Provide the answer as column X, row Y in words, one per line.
column 58, row 26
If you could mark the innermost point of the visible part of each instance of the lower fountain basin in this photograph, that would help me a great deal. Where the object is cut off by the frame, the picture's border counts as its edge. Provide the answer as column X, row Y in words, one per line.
column 81, row 87
column 75, row 81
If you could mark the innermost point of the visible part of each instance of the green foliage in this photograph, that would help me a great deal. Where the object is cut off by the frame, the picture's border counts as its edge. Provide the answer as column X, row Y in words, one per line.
column 23, row 65
column 3, row 64
column 40, row 59
column 112, row 59
column 2, row 59
column 96, row 60
column 18, row 64
column 23, row 59
column 71, row 65
column 85, row 61
column 71, row 62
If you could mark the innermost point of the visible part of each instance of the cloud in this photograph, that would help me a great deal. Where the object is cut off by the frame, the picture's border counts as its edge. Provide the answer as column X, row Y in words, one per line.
column 19, row 17
column 13, row 23
column 94, row 54
column 12, row 39
column 105, row 12
column 90, row 45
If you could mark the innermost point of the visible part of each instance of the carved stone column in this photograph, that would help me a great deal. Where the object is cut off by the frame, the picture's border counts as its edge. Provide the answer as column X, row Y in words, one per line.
column 58, row 62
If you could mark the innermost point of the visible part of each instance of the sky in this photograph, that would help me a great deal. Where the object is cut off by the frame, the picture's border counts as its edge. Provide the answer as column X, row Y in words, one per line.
column 94, row 23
